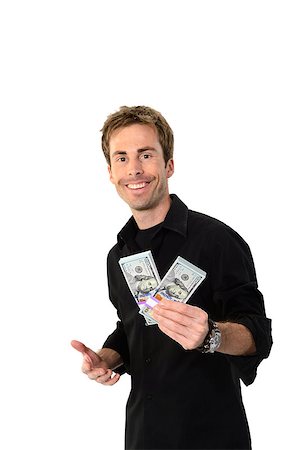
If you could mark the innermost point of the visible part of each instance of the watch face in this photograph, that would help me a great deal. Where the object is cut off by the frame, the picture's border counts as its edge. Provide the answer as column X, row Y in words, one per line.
column 215, row 340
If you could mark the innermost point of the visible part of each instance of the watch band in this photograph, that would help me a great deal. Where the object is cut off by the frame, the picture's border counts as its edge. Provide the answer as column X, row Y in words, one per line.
column 212, row 340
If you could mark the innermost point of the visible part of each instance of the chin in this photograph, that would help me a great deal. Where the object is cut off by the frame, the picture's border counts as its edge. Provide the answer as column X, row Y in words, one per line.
column 146, row 203
column 141, row 206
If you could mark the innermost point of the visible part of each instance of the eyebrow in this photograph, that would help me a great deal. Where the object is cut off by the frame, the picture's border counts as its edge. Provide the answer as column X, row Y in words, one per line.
column 139, row 150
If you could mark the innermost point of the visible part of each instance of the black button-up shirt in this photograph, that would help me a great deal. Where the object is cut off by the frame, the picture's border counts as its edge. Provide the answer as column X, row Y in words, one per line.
column 184, row 399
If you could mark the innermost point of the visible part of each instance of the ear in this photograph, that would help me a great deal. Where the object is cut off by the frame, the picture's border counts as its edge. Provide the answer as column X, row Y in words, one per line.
column 110, row 174
column 169, row 168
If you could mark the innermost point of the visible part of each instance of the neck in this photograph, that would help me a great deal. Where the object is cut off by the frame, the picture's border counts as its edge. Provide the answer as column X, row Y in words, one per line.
column 151, row 217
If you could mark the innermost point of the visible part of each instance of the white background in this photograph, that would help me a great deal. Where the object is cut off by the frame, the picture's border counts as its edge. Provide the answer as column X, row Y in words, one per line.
column 225, row 75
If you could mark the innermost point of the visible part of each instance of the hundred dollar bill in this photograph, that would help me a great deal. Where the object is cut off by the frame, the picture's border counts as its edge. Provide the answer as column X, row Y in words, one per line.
column 179, row 283
column 141, row 274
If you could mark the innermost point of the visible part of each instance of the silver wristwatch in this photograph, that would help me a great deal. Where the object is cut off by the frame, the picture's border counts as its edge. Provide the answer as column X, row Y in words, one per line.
column 212, row 340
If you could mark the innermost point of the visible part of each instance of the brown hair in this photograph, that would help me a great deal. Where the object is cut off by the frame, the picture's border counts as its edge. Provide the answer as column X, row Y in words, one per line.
column 129, row 115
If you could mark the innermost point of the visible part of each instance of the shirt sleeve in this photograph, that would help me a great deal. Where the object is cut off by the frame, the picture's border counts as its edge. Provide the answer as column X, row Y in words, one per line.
column 118, row 339
column 237, row 299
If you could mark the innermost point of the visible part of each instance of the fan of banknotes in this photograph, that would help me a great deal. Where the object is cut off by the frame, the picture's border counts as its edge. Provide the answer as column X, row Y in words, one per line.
column 148, row 289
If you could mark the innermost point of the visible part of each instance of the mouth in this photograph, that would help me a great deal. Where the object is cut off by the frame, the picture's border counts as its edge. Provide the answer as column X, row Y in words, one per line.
column 136, row 186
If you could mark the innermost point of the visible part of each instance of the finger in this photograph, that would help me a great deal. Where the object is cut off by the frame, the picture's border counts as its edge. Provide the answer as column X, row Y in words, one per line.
column 113, row 379
column 87, row 362
column 161, row 313
column 183, row 308
column 79, row 346
column 103, row 378
column 86, row 366
column 188, row 337
column 169, row 325
column 99, row 372
column 90, row 356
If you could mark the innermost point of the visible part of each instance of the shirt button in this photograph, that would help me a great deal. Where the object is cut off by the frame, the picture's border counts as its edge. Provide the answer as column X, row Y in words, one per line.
column 149, row 397
column 148, row 360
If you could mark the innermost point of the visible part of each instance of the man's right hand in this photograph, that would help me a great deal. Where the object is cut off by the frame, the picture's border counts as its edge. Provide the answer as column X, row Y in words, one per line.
column 94, row 366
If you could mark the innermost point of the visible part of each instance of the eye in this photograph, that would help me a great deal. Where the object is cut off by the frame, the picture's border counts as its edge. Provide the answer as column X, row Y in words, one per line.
column 146, row 155
column 121, row 159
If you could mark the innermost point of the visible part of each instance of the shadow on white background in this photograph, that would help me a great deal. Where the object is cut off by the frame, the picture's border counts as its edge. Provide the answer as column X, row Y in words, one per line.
column 225, row 75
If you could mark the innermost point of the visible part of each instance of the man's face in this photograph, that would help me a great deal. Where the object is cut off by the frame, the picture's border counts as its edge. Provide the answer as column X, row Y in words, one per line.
column 176, row 291
column 147, row 285
column 138, row 168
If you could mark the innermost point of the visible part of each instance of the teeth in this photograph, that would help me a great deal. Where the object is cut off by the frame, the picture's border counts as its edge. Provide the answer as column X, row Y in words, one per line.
column 136, row 186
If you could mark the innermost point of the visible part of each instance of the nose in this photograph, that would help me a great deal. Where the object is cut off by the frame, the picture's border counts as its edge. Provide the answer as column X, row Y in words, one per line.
column 135, row 168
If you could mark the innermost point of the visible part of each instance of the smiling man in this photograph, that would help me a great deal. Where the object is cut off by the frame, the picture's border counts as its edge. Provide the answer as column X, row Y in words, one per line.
column 139, row 172
column 186, row 370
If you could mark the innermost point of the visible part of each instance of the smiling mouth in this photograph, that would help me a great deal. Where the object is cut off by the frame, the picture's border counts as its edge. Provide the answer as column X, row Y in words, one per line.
column 135, row 186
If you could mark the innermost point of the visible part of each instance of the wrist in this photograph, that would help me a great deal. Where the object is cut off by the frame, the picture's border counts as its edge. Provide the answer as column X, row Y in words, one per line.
column 111, row 357
column 212, row 341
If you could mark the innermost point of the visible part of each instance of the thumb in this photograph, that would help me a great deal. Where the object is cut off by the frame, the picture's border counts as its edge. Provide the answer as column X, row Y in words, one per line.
column 89, row 355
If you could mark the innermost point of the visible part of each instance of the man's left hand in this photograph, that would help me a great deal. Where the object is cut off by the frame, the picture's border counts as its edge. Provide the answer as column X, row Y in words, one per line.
column 186, row 324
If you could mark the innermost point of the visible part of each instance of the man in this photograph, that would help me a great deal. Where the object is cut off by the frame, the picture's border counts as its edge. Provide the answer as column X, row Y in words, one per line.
column 186, row 370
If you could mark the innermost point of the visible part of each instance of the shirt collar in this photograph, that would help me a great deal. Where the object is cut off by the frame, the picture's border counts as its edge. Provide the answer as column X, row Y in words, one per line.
column 176, row 220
